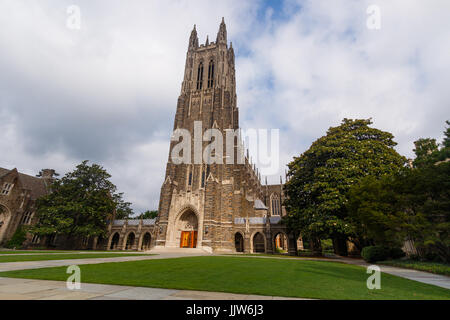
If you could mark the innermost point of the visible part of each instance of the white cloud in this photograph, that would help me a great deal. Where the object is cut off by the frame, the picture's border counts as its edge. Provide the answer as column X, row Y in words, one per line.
column 325, row 65
column 108, row 92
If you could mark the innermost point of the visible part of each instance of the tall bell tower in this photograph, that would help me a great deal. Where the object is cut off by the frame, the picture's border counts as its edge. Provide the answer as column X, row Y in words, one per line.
column 198, row 202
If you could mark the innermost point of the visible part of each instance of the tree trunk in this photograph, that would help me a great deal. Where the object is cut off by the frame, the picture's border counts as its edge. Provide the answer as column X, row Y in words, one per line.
column 316, row 246
column 340, row 246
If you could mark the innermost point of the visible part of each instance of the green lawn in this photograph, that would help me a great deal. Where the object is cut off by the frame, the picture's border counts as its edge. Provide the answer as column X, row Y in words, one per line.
column 276, row 255
column 65, row 256
column 32, row 251
column 278, row 277
column 62, row 251
column 434, row 267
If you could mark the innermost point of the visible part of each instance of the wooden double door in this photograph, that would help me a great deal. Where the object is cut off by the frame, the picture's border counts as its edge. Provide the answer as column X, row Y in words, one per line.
column 188, row 239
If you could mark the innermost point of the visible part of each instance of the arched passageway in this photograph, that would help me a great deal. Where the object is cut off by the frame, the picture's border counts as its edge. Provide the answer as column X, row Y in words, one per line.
column 281, row 243
column 114, row 241
column 130, row 241
column 239, row 242
column 146, row 241
column 258, row 243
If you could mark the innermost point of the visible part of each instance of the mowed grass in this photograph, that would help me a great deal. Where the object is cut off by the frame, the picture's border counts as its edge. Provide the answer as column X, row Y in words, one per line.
column 274, row 277
column 58, row 251
column 32, row 251
column 64, row 256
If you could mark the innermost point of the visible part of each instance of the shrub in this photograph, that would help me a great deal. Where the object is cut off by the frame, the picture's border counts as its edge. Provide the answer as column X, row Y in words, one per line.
column 374, row 253
column 306, row 245
column 396, row 253
column 327, row 245
column 279, row 250
column 17, row 239
column 414, row 257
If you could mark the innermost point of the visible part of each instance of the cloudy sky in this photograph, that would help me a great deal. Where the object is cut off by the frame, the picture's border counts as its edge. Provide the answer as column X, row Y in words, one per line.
column 108, row 91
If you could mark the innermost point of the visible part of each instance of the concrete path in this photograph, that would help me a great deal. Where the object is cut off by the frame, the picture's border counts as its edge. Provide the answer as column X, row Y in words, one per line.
column 26, row 289
column 22, row 265
column 420, row 276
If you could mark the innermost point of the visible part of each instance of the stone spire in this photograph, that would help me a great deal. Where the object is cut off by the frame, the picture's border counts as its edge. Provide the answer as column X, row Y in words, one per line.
column 207, row 41
column 222, row 34
column 193, row 40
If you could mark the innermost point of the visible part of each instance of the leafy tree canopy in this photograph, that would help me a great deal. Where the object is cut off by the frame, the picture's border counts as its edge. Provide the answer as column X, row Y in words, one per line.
column 321, row 177
column 80, row 203
column 428, row 152
column 149, row 214
column 412, row 204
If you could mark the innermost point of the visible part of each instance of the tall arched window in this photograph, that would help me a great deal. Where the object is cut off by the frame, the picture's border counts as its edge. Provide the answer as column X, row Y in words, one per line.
column 27, row 217
column 275, row 205
column 203, row 178
column 200, row 76
column 211, row 74
column 190, row 176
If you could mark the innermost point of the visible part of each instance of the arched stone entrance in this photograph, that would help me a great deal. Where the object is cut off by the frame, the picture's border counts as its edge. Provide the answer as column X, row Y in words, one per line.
column 146, row 241
column 130, row 241
column 5, row 216
column 187, row 227
column 259, row 245
column 114, row 241
column 281, row 244
column 239, row 242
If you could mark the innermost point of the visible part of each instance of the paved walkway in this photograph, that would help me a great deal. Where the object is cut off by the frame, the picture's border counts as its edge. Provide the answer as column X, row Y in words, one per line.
column 420, row 276
column 26, row 289
column 22, row 265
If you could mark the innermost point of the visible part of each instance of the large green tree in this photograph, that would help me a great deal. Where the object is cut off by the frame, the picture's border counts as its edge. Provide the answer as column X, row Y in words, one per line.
column 80, row 204
column 320, row 178
column 149, row 214
column 427, row 152
column 413, row 204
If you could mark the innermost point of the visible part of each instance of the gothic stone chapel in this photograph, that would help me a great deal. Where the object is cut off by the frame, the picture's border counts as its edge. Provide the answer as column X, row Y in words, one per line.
column 212, row 207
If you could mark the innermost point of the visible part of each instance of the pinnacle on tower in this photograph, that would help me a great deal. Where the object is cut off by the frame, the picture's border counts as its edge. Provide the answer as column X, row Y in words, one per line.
column 193, row 40
column 222, row 34
column 207, row 41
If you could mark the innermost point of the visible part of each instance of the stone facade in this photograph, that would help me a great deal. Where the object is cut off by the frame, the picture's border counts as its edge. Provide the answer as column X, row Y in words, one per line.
column 215, row 207
column 18, row 194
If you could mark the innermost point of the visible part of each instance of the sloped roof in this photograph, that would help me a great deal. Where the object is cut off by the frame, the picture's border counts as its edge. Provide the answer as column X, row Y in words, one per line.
column 3, row 171
column 37, row 186
column 259, row 205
